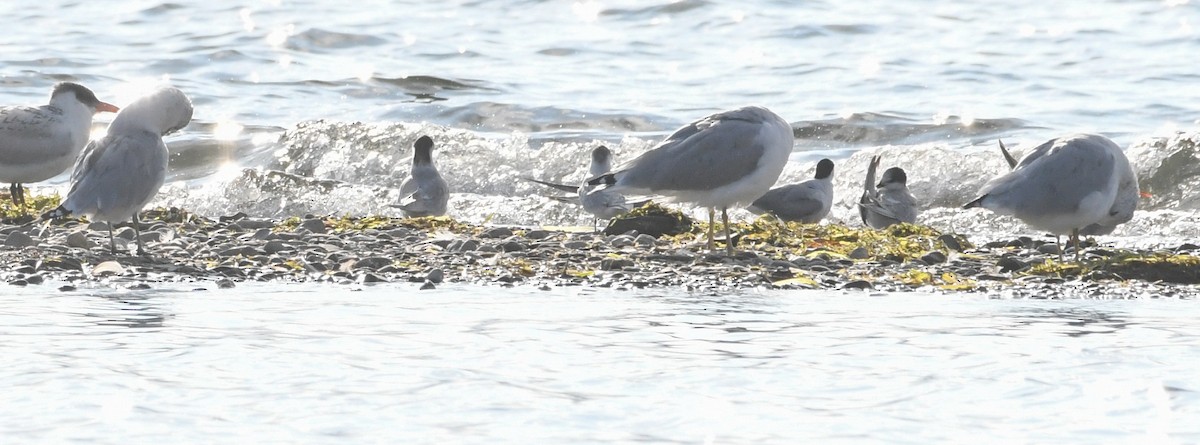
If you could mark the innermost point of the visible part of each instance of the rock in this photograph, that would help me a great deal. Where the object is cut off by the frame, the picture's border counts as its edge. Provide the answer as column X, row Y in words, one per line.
column 241, row 250
column 261, row 234
column 435, row 276
column 990, row 277
column 34, row 279
column 859, row 253
column 512, row 246
column 428, row 286
column 1010, row 264
column 107, row 268
column 225, row 283
column 256, row 224
column 951, row 242
column 469, row 246
column 275, row 246
column 98, row 226
column 537, row 234
column 373, row 262
column 18, row 282
column 368, row 277
column 66, row 288
column 621, row 241
column 645, row 240
column 859, row 284
column 313, row 225
column 1049, row 249
column 63, row 263
column 497, row 232
column 934, row 257
column 19, row 240
column 79, row 239
column 615, row 263
column 125, row 233
column 575, row 245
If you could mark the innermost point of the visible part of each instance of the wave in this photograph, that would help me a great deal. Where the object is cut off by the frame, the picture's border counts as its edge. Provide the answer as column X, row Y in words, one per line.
column 329, row 167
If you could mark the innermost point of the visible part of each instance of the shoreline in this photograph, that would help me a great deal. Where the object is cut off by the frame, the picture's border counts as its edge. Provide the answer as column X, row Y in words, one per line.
column 429, row 252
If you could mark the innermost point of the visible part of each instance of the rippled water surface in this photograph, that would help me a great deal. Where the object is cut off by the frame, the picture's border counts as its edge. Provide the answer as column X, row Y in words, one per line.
column 387, row 364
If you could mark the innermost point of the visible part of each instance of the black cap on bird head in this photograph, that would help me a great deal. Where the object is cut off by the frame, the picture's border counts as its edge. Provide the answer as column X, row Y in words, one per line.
column 83, row 95
column 894, row 175
column 824, row 169
column 423, row 150
column 601, row 154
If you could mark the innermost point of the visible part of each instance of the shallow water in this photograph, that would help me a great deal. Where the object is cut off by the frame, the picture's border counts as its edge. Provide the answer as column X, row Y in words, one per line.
column 388, row 364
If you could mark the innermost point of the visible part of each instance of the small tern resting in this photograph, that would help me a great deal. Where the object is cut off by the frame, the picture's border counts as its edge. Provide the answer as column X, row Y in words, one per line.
column 602, row 204
column 888, row 202
column 424, row 193
column 807, row 202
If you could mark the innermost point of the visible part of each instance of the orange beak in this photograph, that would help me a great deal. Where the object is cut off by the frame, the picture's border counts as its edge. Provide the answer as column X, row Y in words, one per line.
column 105, row 106
column 1146, row 194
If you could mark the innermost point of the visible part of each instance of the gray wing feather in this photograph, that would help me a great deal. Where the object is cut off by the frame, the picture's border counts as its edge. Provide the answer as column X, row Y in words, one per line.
column 1065, row 176
column 118, row 175
column 790, row 203
column 694, row 148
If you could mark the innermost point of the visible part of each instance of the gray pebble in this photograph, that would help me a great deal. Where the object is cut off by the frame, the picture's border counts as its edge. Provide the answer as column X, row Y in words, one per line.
column 859, row 284
column 497, row 232
column 615, row 263
column 537, row 234
column 125, row 233
column 435, row 276
column 859, row 253
column 934, row 257
column 225, row 283
column 313, row 225
column 261, row 234
column 98, row 226
column 275, row 246
column 19, row 240
column 428, row 286
column 620, row 241
column 513, row 246
column 1049, row 249
column 373, row 262
column 79, row 239
column 951, row 242
column 1010, row 264
column 645, row 240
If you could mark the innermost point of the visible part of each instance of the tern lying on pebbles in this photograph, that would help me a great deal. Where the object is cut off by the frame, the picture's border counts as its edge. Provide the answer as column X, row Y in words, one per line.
column 807, row 202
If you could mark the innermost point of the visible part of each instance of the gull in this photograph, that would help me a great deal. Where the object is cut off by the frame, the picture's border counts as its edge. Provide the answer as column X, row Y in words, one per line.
column 38, row 143
column 807, row 202
column 121, row 172
column 888, row 202
column 602, row 204
column 726, row 159
column 424, row 193
column 1062, row 186
column 1123, row 207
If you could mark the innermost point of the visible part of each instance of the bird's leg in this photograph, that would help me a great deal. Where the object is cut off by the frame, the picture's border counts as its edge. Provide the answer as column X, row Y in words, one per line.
column 728, row 240
column 1075, row 240
column 112, row 245
column 137, row 232
column 17, row 193
column 711, row 215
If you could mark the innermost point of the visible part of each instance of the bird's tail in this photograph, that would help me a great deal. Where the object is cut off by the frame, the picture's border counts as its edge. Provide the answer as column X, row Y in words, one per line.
column 59, row 212
column 607, row 179
column 978, row 202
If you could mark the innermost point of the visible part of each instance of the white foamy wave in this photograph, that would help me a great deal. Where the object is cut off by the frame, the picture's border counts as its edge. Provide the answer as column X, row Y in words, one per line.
column 337, row 168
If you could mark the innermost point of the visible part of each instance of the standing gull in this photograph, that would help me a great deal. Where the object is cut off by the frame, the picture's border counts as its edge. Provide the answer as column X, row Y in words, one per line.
column 888, row 202
column 1123, row 207
column 807, row 202
column 121, row 172
column 38, row 143
column 1062, row 186
column 424, row 193
column 720, row 161
column 602, row 204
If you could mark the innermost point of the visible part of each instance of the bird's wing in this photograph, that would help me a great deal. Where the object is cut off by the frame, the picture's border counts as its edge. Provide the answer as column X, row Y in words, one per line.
column 563, row 187
column 731, row 140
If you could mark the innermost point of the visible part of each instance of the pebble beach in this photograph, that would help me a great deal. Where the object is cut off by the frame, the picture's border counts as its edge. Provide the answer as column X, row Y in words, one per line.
column 428, row 252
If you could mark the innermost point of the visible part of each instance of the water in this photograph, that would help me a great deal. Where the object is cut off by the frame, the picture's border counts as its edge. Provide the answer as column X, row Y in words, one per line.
column 527, row 88
column 291, row 364
column 311, row 107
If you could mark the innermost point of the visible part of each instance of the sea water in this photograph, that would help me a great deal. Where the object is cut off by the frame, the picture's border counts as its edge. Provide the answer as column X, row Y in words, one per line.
column 311, row 107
